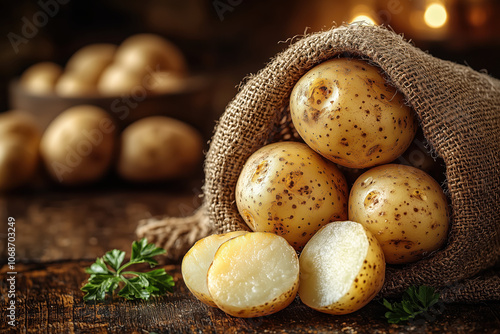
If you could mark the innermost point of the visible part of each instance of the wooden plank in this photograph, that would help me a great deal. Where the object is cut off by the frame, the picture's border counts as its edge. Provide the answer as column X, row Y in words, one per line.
column 49, row 300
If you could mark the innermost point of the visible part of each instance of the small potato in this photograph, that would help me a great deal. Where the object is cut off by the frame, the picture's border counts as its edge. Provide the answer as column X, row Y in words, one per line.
column 41, row 78
column 19, row 141
column 78, row 145
column 288, row 189
column 149, row 52
column 159, row 148
column 89, row 62
column 198, row 259
column 117, row 80
column 342, row 268
column 71, row 85
column 346, row 111
column 254, row 275
column 404, row 208
column 165, row 82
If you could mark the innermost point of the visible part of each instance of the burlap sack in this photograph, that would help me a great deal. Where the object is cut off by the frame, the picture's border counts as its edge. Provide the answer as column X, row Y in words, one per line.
column 458, row 110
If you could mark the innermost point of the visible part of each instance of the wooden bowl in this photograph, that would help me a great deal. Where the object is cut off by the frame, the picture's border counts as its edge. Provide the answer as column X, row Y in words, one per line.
column 192, row 105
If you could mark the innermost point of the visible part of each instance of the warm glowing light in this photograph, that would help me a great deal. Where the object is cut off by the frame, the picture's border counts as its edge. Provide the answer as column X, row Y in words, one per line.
column 435, row 15
column 363, row 19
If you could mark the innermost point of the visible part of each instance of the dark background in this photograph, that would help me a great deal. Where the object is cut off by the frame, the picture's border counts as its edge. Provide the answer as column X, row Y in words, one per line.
column 232, row 38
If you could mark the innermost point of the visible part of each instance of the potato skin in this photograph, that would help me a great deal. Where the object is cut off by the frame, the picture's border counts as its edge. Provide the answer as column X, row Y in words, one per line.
column 159, row 148
column 288, row 189
column 404, row 208
column 367, row 283
column 19, row 141
column 78, row 145
column 345, row 110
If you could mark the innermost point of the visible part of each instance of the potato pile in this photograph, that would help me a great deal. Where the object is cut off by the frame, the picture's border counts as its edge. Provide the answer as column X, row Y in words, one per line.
column 141, row 64
column 354, row 125
column 83, row 144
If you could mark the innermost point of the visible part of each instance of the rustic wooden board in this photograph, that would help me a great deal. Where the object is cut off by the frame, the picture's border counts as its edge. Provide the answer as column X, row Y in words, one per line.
column 48, row 299
column 61, row 231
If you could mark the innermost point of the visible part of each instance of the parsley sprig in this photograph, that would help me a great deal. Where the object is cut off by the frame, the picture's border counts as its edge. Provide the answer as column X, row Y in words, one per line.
column 108, row 274
column 414, row 301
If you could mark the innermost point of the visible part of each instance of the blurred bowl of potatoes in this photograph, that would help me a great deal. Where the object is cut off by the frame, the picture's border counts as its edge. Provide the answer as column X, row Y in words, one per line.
column 145, row 75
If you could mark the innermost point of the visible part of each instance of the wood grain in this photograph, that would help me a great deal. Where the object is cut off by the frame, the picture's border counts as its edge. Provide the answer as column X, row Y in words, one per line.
column 49, row 300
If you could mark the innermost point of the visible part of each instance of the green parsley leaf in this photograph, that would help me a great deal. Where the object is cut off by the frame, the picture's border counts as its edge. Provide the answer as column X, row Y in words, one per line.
column 414, row 301
column 107, row 274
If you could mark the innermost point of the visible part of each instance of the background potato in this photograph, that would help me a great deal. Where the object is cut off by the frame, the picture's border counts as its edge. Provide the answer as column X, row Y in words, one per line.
column 159, row 148
column 288, row 189
column 41, row 78
column 404, row 208
column 19, row 141
column 117, row 80
column 89, row 62
column 346, row 111
column 198, row 259
column 342, row 268
column 252, row 275
column 142, row 51
column 77, row 147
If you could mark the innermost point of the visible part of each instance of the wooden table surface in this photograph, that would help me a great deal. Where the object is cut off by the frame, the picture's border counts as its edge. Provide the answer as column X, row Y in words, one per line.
column 60, row 232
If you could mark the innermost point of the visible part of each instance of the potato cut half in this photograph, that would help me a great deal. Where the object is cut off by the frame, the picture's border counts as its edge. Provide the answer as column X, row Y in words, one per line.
column 198, row 259
column 253, row 275
column 342, row 268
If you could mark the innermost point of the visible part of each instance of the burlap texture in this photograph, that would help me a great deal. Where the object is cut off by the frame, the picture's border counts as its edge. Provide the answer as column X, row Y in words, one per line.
column 459, row 111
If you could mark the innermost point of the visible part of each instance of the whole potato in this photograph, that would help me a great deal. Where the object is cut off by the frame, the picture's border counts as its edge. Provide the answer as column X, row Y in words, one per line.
column 117, row 80
column 288, row 189
column 346, row 111
column 72, row 85
column 89, row 62
column 41, row 78
column 77, row 146
column 19, row 141
column 159, row 148
column 404, row 208
column 142, row 51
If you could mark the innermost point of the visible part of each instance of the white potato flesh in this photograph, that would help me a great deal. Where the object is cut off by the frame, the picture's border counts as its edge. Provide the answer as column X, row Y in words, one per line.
column 288, row 189
column 346, row 111
column 404, row 208
column 342, row 268
column 198, row 259
column 253, row 275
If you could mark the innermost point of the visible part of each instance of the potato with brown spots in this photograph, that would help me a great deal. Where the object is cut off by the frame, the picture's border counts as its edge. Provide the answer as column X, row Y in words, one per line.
column 342, row 268
column 254, row 275
column 404, row 208
column 346, row 111
column 198, row 259
column 288, row 189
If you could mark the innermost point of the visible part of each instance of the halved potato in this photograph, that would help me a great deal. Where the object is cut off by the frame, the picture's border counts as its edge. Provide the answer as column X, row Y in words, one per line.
column 198, row 259
column 253, row 275
column 342, row 268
